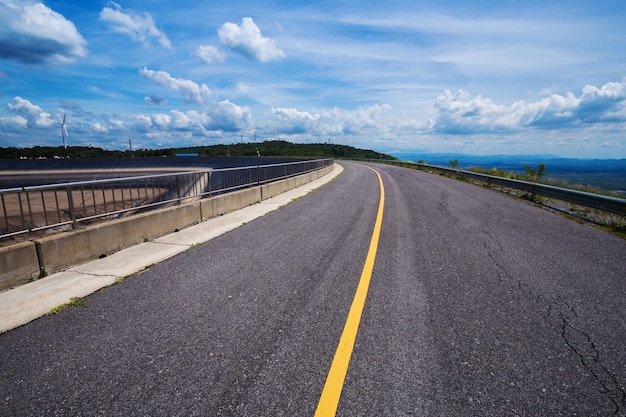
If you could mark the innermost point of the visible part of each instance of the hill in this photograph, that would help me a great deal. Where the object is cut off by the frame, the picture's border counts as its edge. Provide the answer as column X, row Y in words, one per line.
column 277, row 148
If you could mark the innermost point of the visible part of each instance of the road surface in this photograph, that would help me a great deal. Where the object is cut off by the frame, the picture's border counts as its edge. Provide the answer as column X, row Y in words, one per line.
column 478, row 305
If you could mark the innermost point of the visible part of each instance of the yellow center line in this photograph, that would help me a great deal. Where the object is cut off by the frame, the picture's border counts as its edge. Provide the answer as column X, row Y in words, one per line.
column 329, row 400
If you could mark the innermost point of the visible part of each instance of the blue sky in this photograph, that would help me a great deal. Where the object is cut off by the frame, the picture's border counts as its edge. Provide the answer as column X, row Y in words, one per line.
column 476, row 77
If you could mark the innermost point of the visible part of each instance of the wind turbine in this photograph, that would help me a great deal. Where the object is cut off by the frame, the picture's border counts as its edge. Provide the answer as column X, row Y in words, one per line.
column 63, row 131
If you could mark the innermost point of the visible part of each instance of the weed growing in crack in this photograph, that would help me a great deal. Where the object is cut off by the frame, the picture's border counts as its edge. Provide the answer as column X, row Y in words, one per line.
column 74, row 302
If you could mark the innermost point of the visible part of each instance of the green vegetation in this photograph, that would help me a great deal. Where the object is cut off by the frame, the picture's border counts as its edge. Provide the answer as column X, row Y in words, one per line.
column 120, row 280
column 535, row 174
column 74, row 302
column 609, row 222
column 273, row 148
column 616, row 228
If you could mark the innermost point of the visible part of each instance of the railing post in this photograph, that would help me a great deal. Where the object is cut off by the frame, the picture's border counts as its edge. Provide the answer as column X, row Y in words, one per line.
column 178, row 189
column 30, row 211
column 43, row 205
column 70, row 202
column 19, row 198
column 4, row 212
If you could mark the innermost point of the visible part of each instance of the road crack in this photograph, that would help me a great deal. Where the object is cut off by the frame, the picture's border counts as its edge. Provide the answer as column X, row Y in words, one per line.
column 583, row 346
column 560, row 315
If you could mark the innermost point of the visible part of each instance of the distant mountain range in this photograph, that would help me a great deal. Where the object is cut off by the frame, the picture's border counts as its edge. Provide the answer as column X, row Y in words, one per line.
column 609, row 174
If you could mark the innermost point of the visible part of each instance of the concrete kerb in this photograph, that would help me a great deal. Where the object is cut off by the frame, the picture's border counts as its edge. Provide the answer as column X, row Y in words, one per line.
column 32, row 300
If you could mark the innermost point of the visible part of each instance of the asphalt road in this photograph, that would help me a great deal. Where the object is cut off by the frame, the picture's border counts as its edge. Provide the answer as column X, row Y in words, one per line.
column 479, row 305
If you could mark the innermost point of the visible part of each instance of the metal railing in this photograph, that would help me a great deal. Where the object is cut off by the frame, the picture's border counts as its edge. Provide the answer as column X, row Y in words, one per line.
column 591, row 200
column 65, row 206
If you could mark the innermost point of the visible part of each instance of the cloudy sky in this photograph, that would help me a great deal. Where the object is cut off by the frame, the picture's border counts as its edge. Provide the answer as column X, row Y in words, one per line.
column 476, row 77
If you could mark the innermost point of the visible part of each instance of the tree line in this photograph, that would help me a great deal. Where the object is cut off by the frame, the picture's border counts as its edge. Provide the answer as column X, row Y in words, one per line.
column 274, row 148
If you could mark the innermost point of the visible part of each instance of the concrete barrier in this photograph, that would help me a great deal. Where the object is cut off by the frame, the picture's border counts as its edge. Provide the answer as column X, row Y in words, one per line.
column 226, row 203
column 304, row 179
column 18, row 264
column 59, row 251
column 23, row 262
column 272, row 189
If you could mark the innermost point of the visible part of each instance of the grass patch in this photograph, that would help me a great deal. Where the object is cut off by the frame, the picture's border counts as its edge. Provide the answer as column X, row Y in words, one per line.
column 74, row 302
column 120, row 280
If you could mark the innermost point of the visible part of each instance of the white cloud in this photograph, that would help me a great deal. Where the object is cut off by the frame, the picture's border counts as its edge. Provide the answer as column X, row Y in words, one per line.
column 354, row 121
column 216, row 117
column 458, row 113
column 32, row 33
column 111, row 125
column 607, row 103
column 190, row 91
column 139, row 26
column 161, row 120
column 155, row 100
column 181, row 121
column 292, row 121
column 332, row 121
column 249, row 42
column 34, row 115
column 98, row 127
column 222, row 116
column 142, row 123
column 228, row 117
column 210, row 54
column 13, row 123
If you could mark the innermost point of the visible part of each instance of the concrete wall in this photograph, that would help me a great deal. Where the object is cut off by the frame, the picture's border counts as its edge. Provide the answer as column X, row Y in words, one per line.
column 23, row 262
column 226, row 203
column 61, row 250
column 18, row 264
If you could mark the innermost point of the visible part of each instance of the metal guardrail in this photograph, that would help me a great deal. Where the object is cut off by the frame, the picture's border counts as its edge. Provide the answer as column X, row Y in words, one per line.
column 595, row 201
column 67, row 205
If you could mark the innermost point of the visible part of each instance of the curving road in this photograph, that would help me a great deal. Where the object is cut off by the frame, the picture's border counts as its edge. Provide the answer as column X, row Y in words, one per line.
column 478, row 305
